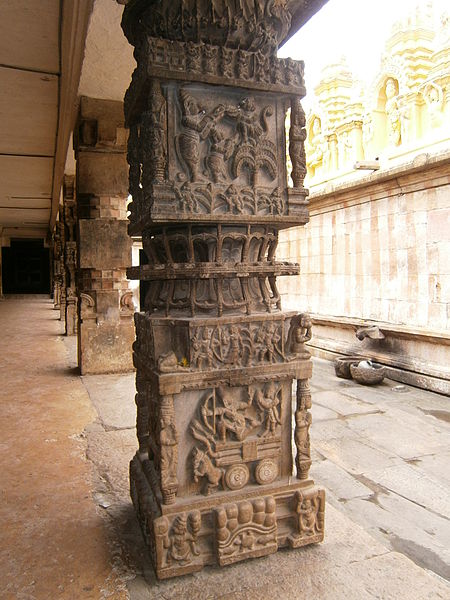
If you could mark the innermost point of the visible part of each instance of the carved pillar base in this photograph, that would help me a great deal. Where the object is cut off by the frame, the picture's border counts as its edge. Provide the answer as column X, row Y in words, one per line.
column 215, row 445
column 256, row 521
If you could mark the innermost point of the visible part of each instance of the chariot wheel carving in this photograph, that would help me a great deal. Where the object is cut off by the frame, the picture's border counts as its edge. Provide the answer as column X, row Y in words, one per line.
column 237, row 476
column 266, row 471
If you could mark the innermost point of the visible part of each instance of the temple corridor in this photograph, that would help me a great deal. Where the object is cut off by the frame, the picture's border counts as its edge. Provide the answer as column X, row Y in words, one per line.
column 70, row 531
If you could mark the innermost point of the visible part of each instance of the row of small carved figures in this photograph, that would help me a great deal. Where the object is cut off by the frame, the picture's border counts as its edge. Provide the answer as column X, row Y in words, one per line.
column 232, row 200
column 241, row 528
column 235, row 345
column 227, row 63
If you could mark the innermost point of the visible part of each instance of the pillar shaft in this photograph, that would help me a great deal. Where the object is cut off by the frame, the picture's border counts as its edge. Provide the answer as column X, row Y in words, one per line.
column 214, row 480
column 105, row 307
column 69, row 218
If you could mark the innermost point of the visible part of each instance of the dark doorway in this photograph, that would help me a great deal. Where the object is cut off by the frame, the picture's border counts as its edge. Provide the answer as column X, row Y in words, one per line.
column 26, row 268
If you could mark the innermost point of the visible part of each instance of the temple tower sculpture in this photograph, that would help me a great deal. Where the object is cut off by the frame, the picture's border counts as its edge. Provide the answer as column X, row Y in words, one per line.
column 221, row 474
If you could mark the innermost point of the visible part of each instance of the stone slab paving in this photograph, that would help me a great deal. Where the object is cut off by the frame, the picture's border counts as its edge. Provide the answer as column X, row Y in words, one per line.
column 398, row 452
column 53, row 542
column 387, row 519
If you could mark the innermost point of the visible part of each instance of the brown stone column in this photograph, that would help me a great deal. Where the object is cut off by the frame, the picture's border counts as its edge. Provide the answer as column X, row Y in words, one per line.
column 105, row 307
column 58, row 265
column 216, row 357
column 69, row 217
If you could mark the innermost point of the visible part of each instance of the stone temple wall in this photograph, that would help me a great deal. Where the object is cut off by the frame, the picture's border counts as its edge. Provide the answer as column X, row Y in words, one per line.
column 377, row 247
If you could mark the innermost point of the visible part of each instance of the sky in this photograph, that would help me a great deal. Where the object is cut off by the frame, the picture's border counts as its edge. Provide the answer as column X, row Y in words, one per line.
column 357, row 29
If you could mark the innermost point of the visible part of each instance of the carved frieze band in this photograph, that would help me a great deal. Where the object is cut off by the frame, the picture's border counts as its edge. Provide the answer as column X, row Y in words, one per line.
column 246, row 529
column 227, row 66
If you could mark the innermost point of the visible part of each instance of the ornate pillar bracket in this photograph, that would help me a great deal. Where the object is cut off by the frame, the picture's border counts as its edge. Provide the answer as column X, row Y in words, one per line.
column 215, row 354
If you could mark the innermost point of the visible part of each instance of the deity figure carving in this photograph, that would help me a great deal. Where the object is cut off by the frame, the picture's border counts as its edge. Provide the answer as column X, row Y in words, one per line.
column 219, row 152
column 309, row 515
column 226, row 62
column 202, row 353
column 300, row 333
column 181, row 541
column 242, row 65
column 168, row 440
column 233, row 200
column 153, row 137
column 393, row 113
column 268, row 400
column 434, row 98
column 196, row 127
column 315, row 147
column 367, row 130
column 209, row 59
column 297, row 137
column 186, row 198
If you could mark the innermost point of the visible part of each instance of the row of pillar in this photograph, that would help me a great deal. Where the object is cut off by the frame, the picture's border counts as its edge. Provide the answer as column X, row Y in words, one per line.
column 91, row 247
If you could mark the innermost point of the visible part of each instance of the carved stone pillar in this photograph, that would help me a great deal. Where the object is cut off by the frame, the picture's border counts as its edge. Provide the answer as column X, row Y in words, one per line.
column 69, row 216
column 58, row 266
column 105, row 305
column 214, row 479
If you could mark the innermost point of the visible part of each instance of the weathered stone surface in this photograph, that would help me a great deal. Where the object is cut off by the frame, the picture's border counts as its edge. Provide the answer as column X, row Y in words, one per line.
column 104, row 244
column 115, row 408
column 106, row 347
column 102, row 174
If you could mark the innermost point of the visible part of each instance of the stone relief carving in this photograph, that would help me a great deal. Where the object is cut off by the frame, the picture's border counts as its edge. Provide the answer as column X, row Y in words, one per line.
column 268, row 400
column 168, row 444
column 127, row 307
column 309, row 507
column 153, row 136
column 255, row 67
column 297, row 136
column 87, row 307
column 246, row 529
column 303, row 421
column 230, row 344
column 433, row 95
column 393, row 112
column 225, row 159
column 316, row 146
column 249, row 24
column 176, row 543
column 300, row 332
column 234, row 432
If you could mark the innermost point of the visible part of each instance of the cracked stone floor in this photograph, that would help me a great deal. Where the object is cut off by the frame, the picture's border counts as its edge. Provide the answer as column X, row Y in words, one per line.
column 68, row 527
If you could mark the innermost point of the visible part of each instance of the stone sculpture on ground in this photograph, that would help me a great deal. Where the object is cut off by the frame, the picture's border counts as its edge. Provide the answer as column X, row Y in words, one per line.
column 213, row 481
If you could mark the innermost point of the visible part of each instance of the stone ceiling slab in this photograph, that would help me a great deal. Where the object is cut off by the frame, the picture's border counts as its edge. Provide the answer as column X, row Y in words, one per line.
column 29, row 111
column 23, row 216
column 18, row 202
column 29, row 33
column 25, row 177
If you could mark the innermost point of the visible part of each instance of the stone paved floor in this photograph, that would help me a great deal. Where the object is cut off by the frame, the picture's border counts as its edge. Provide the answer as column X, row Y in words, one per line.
column 68, row 527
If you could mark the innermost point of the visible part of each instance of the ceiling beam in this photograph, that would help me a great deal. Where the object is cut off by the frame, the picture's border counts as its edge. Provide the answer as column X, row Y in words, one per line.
column 75, row 16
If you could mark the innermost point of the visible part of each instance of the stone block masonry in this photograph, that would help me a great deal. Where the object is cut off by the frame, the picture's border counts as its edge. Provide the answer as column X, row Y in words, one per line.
column 105, row 303
column 221, row 474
